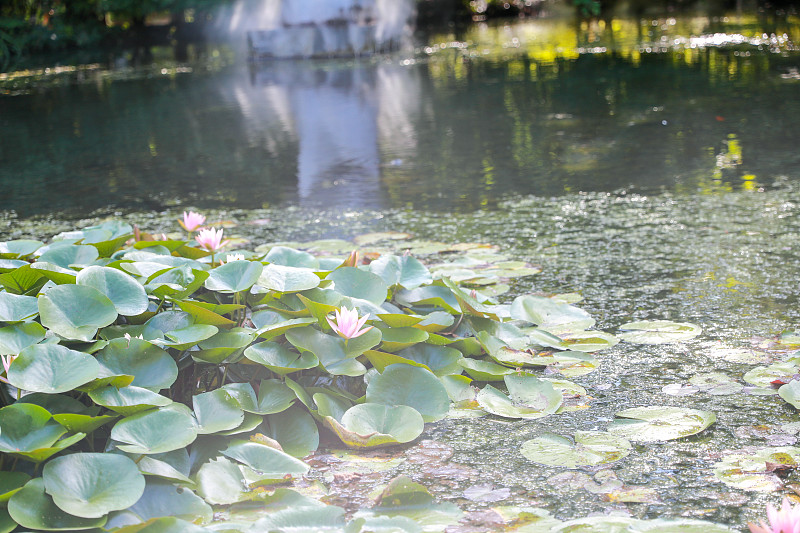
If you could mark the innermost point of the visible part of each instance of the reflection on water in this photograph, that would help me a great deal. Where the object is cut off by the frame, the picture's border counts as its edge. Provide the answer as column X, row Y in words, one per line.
column 537, row 107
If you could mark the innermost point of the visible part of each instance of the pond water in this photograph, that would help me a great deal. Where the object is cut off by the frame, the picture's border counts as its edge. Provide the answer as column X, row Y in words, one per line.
column 658, row 184
column 537, row 107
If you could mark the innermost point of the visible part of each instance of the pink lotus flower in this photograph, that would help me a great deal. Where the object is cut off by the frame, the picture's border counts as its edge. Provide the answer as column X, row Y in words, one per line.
column 191, row 221
column 7, row 360
column 211, row 239
column 785, row 520
column 347, row 324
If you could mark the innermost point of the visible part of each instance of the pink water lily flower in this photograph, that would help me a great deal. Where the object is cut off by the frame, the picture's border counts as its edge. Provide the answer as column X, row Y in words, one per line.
column 785, row 520
column 347, row 324
column 191, row 221
column 211, row 239
column 7, row 360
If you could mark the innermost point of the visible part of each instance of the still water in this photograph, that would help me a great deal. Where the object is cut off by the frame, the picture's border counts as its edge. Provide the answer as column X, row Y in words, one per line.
column 540, row 107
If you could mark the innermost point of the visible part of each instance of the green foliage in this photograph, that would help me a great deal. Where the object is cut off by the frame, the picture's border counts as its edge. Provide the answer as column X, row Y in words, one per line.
column 206, row 382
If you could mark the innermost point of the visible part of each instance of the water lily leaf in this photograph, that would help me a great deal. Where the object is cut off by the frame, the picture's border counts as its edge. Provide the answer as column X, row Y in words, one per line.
column 221, row 482
column 791, row 393
column 589, row 341
column 161, row 498
column 10, row 483
column 234, row 276
column 573, row 364
column 19, row 248
column 128, row 296
column 32, row 508
column 151, row 367
column 76, row 311
column 15, row 338
column 658, row 332
column 156, row 431
column 268, row 461
column 412, row 386
column 282, row 255
column 296, row 431
column 23, row 280
column 484, row 370
column 528, row 398
column 280, row 278
column 657, row 423
column 280, row 359
column 178, row 282
column 682, row 526
column 274, row 396
column 402, row 271
column 52, row 368
column 589, row 448
column 357, row 283
column 441, row 360
column 750, row 470
column 268, row 331
column 224, row 346
column 216, row 411
column 27, row 427
column 715, row 383
column 77, row 423
column 380, row 360
column 128, row 401
column 436, row 321
column 17, row 308
column 185, row 338
column 468, row 304
column 435, row 295
column 202, row 315
column 401, row 320
column 68, row 255
column 331, row 351
column 305, row 519
column 372, row 425
column 396, row 339
column 763, row 376
column 550, row 315
column 90, row 485
column 403, row 497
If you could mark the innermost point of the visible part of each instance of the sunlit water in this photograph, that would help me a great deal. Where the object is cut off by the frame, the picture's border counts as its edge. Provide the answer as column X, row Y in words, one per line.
column 686, row 158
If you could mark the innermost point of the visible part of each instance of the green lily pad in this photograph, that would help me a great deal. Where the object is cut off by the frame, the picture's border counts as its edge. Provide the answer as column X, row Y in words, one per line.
column 234, row 276
column 76, row 311
column 32, row 508
column 334, row 355
column 754, row 470
column 658, row 332
column 268, row 331
column 550, row 315
column 484, row 370
column 589, row 448
column 403, row 497
column 52, row 368
column 657, row 423
column 77, row 423
column 221, row 482
column 156, row 431
column 185, row 338
column 435, row 295
column 791, row 393
column 10, row 483
column 295, row 430
column 412, row 386
column 128, row 401
column 371, row 425
column 16, row 308
column 401, row 271
column 280, row 278
column 128, row 296
column 357, row 283
column 15, row 338
column 441, row 360
column 528, row 397
column 161, row 499
column 19, row 248
column 280, row 359
column 151, row 367
column 266, row 460
column 274, row 396
column 216, row 411
column 68, row 255
column 27, row 427
column 285, row 256
column 90, row 485
column 224, row 346
column 396, row 339
column 303, row 520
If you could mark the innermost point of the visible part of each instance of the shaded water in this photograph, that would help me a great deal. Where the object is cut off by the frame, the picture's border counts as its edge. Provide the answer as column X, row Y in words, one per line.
column 538, row 107
column 704, row 230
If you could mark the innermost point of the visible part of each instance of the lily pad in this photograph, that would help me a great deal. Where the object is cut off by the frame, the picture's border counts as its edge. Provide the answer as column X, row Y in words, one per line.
column 128, row 400
column 658, row 423
column 658, row 332
column 751, row 470
column 281, row 278
column 266, row 460
column 32, row 508
column 529, row 397
column 402, row 271
column 234, row 276
column 151, row 367
column 412, row 386
column 370, row 425
column 128, row 296
column 280, row 359
column 357, row 283
column 76, row 311
column 90, row 485
column 588, row 448
column 551, row 315
column 52, row 368
column 157, row 431
column 16, row 308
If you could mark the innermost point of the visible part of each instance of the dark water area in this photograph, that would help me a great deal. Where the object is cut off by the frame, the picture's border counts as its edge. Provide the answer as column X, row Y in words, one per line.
column 538, row 107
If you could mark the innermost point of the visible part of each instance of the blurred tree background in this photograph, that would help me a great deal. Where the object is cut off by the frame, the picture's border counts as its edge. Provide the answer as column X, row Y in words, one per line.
column 41, row 26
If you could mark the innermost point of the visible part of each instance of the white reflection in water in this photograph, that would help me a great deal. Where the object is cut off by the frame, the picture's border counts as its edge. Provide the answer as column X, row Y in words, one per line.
column 341, row 117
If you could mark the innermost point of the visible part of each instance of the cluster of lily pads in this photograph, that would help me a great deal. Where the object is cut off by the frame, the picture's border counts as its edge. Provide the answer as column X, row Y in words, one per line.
column 148, row 378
